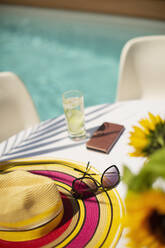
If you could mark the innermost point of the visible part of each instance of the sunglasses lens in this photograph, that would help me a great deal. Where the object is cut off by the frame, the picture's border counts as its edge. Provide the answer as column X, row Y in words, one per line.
column 84, row 187
column 110, row 177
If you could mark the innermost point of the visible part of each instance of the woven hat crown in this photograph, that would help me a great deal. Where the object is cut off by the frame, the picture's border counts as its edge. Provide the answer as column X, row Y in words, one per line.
column 28, row 201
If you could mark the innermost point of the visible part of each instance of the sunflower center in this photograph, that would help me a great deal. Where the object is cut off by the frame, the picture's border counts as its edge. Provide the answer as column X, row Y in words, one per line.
column 157, row 225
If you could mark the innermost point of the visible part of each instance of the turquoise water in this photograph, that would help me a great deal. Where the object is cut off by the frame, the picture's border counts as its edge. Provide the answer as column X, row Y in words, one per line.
column 54, row 51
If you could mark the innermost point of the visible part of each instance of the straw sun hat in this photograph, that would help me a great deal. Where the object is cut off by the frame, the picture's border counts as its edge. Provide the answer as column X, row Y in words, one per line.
column 37, row 208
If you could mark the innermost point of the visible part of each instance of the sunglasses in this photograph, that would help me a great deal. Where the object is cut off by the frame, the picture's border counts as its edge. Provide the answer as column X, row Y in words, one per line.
column 86, row 185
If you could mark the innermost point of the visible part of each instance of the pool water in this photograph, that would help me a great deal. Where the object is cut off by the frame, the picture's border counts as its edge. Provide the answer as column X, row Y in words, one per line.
column 54, row 51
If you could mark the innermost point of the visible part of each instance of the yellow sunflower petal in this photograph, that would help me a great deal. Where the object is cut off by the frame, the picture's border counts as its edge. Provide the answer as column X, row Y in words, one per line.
column 138, row 132
column 156, row 119
column 136, row 153
column 138, row 143
column 153, row 118
column 146, row 124
column 159, row 119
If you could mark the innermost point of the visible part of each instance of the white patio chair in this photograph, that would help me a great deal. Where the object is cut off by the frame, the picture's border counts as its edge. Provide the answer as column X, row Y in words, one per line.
column 17, row 110
column 142, row 69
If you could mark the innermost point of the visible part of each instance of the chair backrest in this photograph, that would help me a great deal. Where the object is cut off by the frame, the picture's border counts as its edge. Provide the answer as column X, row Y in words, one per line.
column 17, row 110
column 142, row 69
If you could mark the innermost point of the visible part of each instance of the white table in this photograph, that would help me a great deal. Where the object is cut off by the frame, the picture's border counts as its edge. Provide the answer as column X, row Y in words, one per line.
column 50, row 138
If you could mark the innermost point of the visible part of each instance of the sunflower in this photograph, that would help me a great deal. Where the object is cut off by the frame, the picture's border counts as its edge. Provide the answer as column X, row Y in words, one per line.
column 148, row 137
column 145, row 219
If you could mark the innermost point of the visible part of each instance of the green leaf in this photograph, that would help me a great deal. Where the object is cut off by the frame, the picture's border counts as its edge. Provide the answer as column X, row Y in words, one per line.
column 153, row 169
column 127, row 175
column 156, row 164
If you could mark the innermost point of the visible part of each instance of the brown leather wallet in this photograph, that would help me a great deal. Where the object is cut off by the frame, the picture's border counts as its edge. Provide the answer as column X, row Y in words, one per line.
column 104, row 138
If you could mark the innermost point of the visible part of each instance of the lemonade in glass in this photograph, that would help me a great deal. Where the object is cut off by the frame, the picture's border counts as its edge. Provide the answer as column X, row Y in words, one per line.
column 73, row 103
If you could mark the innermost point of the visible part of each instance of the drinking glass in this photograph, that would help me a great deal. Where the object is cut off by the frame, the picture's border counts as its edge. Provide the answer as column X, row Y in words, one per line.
column 73, row 103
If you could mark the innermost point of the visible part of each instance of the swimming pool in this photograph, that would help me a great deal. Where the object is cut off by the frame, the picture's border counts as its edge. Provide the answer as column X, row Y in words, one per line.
column 54, row 51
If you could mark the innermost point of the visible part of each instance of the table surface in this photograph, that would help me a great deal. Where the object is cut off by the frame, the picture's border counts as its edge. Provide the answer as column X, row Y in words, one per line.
column 50, row 138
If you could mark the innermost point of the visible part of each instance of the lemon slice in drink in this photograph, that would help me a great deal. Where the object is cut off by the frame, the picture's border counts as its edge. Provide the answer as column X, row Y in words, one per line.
column 76, row 121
